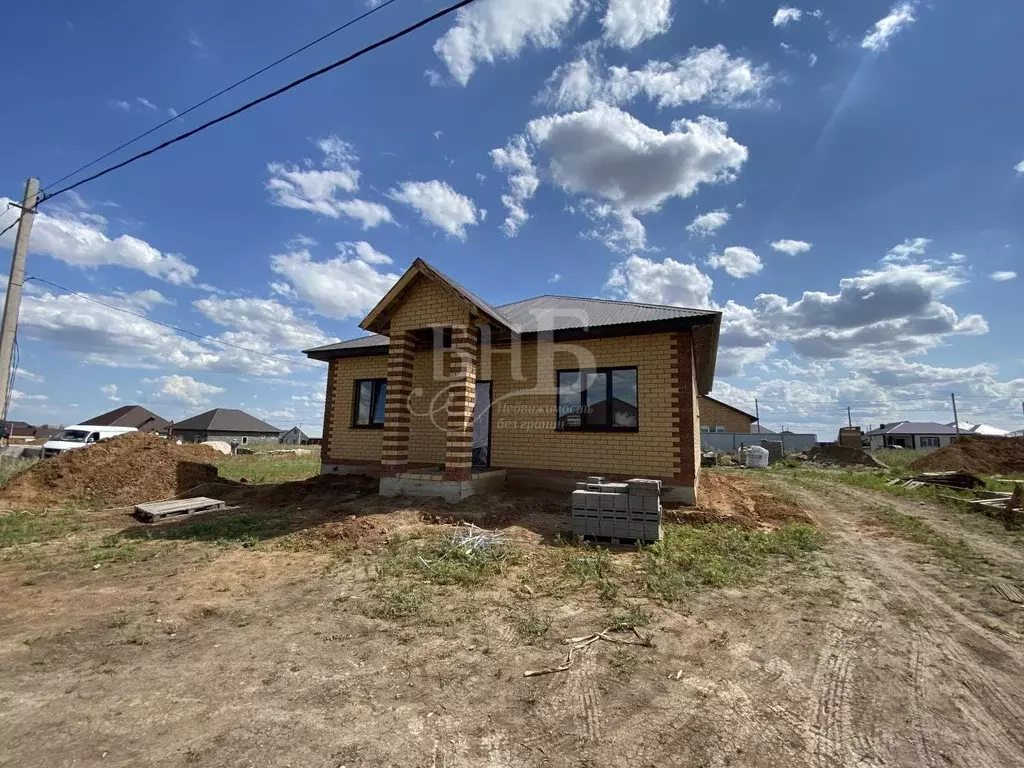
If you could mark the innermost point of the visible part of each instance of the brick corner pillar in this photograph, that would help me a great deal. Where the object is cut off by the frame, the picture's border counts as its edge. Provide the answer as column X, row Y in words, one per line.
column 458, row 452
column 394, row 456
column 686, row 397
column 328, row 448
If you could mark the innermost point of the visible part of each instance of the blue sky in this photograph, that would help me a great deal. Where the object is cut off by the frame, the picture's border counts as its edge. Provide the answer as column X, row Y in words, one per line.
column 844, row 180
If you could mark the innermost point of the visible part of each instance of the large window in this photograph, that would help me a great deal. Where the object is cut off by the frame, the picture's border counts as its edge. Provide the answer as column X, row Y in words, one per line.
column 368, row 405
column 928, row 442
column 598, row 400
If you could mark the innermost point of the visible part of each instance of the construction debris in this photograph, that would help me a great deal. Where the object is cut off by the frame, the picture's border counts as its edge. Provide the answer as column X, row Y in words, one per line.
column 630, row 510
column 579, row 643
column 948, row 479
column 1008, row 591
column 155, row 511
column 840, row 456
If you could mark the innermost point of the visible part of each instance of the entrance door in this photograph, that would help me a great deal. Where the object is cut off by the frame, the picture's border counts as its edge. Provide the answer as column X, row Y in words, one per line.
column 482, row 426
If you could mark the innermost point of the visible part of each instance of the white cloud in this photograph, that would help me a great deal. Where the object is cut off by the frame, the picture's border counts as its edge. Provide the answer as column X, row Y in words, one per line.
column 901, row 16
column 1019, row 167
column 737, row 261
column 956, row 258
column 555, row 278
column 709, row 222
column 791, row 247
column 665, row 282
column 1003, row 276
column 706, row 74
column 606, row 152
column 308, row 188
column 490, row 30
column 903, row 253
column 262, row 324
column 784, row 16
column 363, row 250
column 81, row 241
column 110, row 390
column 146, row 103
column 627, row 23
column 17, row 396
column 29, row 376
column 341, row 287
column 516, row 160
column 183, row 389
column 121, row 104
column 438, row 204
column 101, row 335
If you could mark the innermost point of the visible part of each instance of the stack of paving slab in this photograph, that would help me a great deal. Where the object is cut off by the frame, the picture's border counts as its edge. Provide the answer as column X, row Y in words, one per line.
column 629, row 510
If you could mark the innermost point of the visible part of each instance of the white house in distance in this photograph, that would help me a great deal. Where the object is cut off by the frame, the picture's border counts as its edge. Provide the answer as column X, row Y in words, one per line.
column 920, row 435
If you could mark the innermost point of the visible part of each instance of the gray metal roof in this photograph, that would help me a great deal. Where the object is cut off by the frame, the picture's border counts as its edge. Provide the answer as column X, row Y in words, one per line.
column 226, row 420
column 914, row 428
column 556, row 313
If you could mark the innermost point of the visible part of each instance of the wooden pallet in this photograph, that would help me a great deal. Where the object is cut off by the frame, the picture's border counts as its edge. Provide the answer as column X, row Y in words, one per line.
column 155, row 511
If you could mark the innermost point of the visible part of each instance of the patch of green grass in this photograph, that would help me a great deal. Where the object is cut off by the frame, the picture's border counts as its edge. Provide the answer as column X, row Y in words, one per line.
column 720, row 556
column 633, row 617
column 245, row 529
column 532, row 626
column 399, row 601
column 918, row 531
column 35, row 527
column 442, row 561
column 898, row 459
column 874, row 481
column 596, row 566
column 259, row 469
column 11, row 467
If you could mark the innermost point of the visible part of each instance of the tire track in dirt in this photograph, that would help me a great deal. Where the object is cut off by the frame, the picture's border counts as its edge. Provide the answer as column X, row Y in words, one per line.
column 993, row 723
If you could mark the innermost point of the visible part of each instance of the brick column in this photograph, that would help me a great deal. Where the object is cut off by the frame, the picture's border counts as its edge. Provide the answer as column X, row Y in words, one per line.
column 687, row 413
column 394, row 457
column 462, row 364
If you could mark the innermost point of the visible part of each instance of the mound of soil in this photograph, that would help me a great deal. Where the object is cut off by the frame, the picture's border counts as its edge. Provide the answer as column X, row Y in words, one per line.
column 842, row 456
column 977, row 454
column 124, row 470
column 729, row 499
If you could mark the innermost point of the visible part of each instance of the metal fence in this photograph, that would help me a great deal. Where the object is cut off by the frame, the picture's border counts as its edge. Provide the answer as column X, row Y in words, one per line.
column 731, row 441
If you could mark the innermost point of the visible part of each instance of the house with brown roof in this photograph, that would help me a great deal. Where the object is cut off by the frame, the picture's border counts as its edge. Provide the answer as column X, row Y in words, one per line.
column 451, row 393
column 717, row 416
column 136, row 416
column 229, row 425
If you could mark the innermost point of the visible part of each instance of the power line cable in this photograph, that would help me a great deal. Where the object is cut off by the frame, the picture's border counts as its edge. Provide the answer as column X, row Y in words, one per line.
column 212, row 339
column 266, row 97
column 221, row 92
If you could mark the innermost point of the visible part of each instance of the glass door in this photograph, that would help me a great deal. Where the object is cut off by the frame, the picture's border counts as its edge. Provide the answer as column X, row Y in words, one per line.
column 482, row 426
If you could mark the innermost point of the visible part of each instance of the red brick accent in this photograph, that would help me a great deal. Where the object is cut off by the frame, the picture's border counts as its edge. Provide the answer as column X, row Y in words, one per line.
column 395, row 443
column 458, row 455
column 685, row 400
column 328, row 433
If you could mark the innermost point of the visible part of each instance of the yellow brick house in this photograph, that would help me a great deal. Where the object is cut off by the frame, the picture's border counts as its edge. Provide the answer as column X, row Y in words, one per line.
column 449, row 395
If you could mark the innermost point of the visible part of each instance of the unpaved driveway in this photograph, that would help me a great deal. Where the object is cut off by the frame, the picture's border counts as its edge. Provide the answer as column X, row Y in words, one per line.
column 884, row 653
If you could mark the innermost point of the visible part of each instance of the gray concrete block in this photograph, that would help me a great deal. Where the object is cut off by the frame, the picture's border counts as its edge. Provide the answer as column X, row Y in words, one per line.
column 595, row 479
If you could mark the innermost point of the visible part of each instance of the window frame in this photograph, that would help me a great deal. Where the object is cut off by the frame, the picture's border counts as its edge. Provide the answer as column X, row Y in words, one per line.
column 930, row 438
column 375, row 390
column 609, row 372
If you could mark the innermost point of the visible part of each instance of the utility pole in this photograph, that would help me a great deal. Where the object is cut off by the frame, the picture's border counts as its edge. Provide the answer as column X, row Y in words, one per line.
column 956, row 419
column 849, row 417
column 9, row 325
column 757, row 413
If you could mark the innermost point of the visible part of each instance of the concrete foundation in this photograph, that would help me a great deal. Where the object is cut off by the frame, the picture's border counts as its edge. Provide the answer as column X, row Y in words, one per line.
column 673, row 495
column 431, row 484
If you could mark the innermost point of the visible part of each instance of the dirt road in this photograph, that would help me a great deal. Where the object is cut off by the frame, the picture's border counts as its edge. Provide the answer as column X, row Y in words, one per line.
column 887, row 652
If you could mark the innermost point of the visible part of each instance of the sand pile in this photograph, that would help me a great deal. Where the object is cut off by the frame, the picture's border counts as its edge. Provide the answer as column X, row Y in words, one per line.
column 978, row 454
column 842, row 456
column 729, row 499
column 129, row 469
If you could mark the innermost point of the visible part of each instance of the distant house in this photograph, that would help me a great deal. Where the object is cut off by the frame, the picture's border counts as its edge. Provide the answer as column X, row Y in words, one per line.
column 921, row 435
column 136, row 416
column 22, row 431
column 294, row 436
column 227, row 424
column 716, row 416
column 968, row 428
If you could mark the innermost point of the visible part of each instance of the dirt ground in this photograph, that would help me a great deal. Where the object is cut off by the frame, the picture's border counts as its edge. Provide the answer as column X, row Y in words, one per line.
column 277, row 640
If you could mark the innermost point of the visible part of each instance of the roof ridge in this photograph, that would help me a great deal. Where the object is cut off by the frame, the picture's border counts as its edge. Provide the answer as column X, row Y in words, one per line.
column 607, row 301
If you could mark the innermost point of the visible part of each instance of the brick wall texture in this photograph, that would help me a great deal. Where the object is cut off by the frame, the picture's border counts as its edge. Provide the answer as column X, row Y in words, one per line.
column 712, row 413
column 523, row 434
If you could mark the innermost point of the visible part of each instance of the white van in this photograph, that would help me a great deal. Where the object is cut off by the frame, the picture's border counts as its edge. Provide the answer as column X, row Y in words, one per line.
column 79, row 436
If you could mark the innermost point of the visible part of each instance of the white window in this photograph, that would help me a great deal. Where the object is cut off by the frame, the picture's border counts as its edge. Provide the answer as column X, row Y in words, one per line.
column 928, row 442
